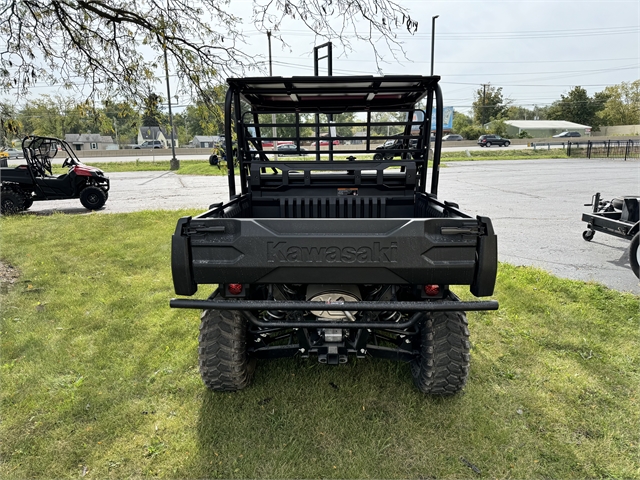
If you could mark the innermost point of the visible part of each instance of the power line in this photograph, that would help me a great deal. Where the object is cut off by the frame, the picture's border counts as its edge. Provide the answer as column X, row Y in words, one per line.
column 599, row 60
column 493, row 35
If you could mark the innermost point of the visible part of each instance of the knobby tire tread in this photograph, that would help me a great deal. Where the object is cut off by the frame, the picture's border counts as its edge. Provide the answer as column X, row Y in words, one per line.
column 222, row 351
column 443, row 365
column 85, row 198
column 11, row 200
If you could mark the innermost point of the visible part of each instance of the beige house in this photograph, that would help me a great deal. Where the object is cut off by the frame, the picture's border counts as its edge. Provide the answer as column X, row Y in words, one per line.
column 157, row 133
column 90, row 141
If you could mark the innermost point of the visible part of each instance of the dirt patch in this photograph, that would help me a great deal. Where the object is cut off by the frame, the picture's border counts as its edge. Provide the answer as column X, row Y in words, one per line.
column 8, row 274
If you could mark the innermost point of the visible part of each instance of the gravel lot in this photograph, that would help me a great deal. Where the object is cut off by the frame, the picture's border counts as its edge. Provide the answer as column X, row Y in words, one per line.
column 536, row 207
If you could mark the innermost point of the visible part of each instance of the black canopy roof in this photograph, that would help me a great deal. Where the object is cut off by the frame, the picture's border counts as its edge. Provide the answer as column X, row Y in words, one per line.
column 341, row 93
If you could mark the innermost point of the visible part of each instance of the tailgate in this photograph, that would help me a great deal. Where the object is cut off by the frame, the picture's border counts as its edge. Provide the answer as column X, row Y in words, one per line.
column 451, row 251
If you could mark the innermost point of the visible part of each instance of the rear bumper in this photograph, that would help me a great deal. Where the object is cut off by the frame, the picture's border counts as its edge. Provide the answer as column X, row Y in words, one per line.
column 445, row 251
column 407, row 307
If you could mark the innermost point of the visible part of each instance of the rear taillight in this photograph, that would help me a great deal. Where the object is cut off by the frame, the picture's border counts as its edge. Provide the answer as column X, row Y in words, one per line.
column 234, row 288
column 432, row 290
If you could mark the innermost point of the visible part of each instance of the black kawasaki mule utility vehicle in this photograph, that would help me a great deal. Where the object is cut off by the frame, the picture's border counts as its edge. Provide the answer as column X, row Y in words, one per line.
column 23, row 185
column 337, row 255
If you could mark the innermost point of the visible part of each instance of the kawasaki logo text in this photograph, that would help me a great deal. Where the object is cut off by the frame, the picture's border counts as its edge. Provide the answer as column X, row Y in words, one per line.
column 282, row 252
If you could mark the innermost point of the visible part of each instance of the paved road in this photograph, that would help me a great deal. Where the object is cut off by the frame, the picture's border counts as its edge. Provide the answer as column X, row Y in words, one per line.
column 536, row 208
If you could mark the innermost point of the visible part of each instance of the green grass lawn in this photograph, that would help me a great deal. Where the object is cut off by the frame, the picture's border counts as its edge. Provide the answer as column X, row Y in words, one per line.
column 187, row 167
column 100, row 378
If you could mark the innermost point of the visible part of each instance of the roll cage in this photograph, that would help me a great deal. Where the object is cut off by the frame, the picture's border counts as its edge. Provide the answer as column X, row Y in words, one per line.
column 38, row 152
column 316, row 104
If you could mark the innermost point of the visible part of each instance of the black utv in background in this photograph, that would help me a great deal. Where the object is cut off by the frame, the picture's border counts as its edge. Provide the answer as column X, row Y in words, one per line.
column 334, row 258
column 34, row 181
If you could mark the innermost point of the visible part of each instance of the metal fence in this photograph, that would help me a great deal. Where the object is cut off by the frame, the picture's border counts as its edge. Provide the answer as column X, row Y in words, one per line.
column 625, row 149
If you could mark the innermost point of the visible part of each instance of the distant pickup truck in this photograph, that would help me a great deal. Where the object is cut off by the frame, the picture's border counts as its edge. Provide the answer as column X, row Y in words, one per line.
column 334, row 255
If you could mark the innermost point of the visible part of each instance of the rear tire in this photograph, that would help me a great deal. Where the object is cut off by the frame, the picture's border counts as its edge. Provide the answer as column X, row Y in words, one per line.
column 11, row 201
column 377, row 157
column 488, row 144
column 634, row 254
column 443, row 364
column 93, row 198
column 222, row 351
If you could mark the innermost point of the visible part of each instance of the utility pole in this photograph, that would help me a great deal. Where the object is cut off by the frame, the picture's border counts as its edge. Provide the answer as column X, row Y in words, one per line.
column 174, row 163
column 433, row 38
column 484, row 96
column 274, row 129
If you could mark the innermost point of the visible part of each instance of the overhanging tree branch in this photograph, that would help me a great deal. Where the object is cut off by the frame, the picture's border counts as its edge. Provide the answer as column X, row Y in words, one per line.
column 114, row 47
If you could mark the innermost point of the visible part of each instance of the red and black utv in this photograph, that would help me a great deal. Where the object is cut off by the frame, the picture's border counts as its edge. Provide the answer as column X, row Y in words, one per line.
column 24, row 184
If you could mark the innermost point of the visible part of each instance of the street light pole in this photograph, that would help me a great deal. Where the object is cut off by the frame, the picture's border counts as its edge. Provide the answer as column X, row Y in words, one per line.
column 433, row 38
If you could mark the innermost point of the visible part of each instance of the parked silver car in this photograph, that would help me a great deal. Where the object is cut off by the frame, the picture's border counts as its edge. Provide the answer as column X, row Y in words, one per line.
column 14, row 153
column 452, row 137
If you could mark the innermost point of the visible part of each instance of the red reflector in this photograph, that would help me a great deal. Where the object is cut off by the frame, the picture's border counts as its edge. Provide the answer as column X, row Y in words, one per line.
column 432, row 290
column 235, row 288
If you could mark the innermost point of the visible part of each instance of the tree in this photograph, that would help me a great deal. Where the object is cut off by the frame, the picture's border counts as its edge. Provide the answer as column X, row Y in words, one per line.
column 123, row 121
column 180, row 126
column 206, row 117
column 10, row 126
column 488, row 103
column 576, row 107
column 460, row 121
column 55, row 116
column 519, row 113
column 621, row 105
column 152, row 116
column 499, row 127
column 118, row 46
column 388, row 130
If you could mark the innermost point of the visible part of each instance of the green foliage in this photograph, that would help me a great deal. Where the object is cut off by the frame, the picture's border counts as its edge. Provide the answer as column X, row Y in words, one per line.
column 524, row 134
column 57, row 116
column 152, row 116
column 519, row 113
column 387, row 117
column 576, row 107
column 206, row 115
column 100, row 378
column 472, row 132
column 345, row 118
column 499, row 127
column 460, row 121
column 488, row 103
column 621, row 104
column 10, row 126
column 123, row 121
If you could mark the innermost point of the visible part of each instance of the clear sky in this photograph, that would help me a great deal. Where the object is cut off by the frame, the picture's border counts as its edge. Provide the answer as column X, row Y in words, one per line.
column 535, row 50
